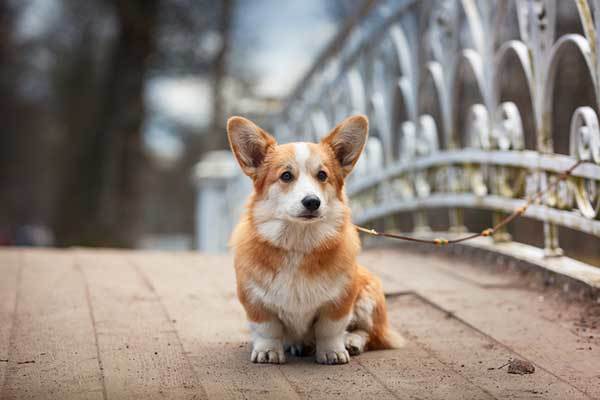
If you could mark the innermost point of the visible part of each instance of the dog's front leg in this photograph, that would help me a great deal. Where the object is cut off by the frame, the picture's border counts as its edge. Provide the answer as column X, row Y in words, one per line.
column 329, row 334
column 267, row 338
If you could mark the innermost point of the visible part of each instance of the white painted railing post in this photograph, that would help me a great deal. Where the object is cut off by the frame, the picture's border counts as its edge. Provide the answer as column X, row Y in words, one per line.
column 213, row 177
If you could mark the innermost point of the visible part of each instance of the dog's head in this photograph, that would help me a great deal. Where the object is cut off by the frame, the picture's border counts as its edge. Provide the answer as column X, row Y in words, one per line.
column 297, row 185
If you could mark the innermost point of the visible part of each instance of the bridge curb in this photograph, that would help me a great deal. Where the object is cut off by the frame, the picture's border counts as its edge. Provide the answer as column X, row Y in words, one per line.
column 572, row 277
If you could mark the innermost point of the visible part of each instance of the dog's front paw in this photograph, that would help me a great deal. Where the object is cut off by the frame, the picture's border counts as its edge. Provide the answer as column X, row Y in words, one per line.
column 268, row 352
column 267, row 357
column 332, row 357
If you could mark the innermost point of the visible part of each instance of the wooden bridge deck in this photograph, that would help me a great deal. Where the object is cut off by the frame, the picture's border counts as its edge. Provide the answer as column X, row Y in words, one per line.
column 86, row 324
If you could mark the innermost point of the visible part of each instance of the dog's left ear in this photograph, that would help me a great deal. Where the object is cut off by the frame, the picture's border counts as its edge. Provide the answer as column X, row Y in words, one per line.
column 347, row 141
column 249, row 143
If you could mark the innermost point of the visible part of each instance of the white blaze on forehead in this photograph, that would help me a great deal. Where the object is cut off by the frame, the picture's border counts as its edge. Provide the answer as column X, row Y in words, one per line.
column 302, row 155
column 305, row 184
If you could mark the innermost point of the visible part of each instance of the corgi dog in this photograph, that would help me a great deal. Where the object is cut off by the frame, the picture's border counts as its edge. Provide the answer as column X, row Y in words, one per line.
column 296, row 247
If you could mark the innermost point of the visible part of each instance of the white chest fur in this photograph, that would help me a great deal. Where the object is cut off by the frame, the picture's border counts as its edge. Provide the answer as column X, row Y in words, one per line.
column 296, row 297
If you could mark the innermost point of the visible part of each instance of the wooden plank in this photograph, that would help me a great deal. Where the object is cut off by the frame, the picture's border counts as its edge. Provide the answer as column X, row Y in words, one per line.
column 467, row 270
column 9, row 271
column 348, row 381
column 53, row 353
column 167, row 325
column 413, row 373
column 139, row 349
column 198, row 292
column 478, row 273
column 371, row 259
column 207, row 283
column 511, row 316
column 472, row 354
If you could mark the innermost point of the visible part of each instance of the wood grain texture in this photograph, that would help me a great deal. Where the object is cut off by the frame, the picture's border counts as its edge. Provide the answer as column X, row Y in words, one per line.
column 52, row 348
column 9, row 272
column 199, row 294
column 511, row 316
column 139, row 348
column 472, row 354
column 100, row 324
column 348, row 381
column 222, row 355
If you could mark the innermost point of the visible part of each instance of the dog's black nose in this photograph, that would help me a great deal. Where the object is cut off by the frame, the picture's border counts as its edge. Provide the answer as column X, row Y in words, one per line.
column 311, row 202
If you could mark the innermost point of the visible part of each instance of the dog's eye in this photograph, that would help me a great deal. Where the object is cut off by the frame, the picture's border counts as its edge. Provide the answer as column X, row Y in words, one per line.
column 322, row 175
column 286, row 176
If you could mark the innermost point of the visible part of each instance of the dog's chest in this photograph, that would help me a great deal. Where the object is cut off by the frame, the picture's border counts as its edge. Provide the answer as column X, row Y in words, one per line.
column 295, row 296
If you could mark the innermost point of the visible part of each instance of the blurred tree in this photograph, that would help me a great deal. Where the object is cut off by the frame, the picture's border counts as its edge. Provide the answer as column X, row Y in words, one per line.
column 117, row 159
column 73, row 78
column 7, row 123
column 153, row 38
column 220, row 72
column 100, row 200
column 23, row 177
column 195, row 41
column 79, row 86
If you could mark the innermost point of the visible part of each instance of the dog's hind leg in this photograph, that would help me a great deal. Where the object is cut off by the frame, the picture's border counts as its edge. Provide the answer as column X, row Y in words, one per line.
column 356, row 341
column 370, row 319
column 300, row 349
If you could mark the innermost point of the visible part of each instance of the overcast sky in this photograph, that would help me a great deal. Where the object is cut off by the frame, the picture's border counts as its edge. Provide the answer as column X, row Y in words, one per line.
column 285, row 37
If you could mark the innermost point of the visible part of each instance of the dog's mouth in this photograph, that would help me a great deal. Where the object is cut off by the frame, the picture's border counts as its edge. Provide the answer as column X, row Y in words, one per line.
column 308, row 217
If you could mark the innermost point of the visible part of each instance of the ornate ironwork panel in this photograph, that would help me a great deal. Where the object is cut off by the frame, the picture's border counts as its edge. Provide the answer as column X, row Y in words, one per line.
column 473, row 104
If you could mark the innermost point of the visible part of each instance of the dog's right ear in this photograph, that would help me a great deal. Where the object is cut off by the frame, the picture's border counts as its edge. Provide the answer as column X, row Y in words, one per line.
column 249, row 143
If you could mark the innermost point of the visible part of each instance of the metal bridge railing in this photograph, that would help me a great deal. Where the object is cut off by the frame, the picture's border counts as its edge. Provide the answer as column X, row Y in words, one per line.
column 473, row 105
